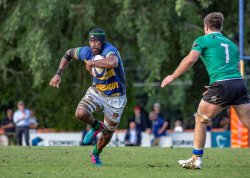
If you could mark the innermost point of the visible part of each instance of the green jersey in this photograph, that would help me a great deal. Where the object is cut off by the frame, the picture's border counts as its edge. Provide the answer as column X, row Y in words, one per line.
column 219, row 55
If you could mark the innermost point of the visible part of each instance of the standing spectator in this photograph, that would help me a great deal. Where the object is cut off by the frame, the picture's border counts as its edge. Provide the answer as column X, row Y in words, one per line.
column 133, row 135
column 141, row 120
column 157, row 110
column 178, row 126
column 21, row 119
column 8, row 125
column 159, row 126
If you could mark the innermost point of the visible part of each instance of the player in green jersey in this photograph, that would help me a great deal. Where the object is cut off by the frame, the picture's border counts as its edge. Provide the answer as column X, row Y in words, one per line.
column 221, row 59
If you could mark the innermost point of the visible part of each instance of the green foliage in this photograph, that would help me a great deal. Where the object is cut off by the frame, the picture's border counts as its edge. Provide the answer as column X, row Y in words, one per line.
column 151, row 37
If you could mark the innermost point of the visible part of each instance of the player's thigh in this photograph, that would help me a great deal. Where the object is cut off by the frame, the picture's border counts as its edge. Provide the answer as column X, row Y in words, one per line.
column 90, row 102
column 243, row 110
column 113, row 108
column 208, row 109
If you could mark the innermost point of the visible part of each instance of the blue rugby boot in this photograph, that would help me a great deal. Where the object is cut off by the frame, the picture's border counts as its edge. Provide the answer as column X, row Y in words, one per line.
column 91, row 135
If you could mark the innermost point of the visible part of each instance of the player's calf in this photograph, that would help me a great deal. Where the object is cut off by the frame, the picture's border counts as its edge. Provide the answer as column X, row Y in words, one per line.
column 92, row 134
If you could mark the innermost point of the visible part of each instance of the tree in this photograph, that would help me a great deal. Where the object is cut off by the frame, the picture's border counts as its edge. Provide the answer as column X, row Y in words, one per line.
column 151, row 37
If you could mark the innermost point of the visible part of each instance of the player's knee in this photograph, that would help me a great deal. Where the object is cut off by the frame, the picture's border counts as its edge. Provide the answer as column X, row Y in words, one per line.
column 108, row 128
column 201, row 118
column 82, row 114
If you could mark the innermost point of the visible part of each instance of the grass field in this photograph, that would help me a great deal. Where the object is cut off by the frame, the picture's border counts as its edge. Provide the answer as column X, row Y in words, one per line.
column 129, row 162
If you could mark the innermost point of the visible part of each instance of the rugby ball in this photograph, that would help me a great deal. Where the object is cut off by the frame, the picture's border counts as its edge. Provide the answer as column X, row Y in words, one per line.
column 97, row 71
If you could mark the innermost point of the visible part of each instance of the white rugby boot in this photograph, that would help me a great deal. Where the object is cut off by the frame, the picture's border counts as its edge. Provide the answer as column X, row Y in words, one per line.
column 191, row 163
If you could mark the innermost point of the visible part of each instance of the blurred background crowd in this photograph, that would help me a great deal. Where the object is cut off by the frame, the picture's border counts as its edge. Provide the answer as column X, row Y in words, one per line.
column 19, row 122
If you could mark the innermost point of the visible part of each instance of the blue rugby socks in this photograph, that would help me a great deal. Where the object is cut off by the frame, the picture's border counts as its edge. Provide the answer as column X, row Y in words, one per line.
column 198, row 152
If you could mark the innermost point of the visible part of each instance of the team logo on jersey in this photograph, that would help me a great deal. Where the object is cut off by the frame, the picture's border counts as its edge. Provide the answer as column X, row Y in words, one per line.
column 213, row 36
column 115, row 115
column 214, row 98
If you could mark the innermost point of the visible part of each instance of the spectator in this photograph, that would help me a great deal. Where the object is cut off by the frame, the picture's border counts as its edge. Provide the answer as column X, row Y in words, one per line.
column 141, row 120
column 225, row 123
column 133, row 135
column 84, row 132
column 209, row 125
column 33, row 124
column 159, row 126
column 178, row 126
column 9, row 126
column 21, row 119
column 157, row 110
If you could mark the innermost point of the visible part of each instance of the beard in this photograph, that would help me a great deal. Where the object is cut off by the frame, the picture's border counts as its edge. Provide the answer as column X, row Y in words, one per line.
column 95, row 51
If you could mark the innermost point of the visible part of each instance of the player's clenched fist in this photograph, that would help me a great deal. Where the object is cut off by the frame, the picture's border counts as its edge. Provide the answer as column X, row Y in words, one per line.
column 55, row 81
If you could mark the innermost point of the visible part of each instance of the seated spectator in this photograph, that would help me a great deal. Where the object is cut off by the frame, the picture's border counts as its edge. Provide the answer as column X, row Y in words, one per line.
column 159, row 126
column 225, row 123
column 209, row 125
column 141, row 119
column 9, row 126
column 178, row 126
column 84, row 132
column 133, row 135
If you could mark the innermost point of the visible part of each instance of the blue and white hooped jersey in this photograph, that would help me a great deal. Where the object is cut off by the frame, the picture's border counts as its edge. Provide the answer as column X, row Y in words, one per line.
column 113, row 82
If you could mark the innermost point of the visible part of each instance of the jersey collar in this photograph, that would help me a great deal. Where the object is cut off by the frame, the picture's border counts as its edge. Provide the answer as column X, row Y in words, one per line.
column 212, row 33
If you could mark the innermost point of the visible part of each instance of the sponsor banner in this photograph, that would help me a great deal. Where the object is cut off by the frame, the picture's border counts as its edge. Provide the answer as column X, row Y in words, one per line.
column 55, row 139
column 118, row 139
column 186, row 139
column 221, row 139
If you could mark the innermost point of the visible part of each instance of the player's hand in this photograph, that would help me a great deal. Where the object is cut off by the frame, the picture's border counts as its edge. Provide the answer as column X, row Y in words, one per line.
column 205, row 91
column 89, row 67
column 55, row 81
column 167, row 80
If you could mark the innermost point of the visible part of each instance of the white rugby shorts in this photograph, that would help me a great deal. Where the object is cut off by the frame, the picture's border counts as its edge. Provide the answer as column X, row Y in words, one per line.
column 112, row 106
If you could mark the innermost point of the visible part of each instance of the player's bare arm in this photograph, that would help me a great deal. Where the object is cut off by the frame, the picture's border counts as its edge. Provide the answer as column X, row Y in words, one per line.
column 68, row 56
column 183, row 67
column 109, row 62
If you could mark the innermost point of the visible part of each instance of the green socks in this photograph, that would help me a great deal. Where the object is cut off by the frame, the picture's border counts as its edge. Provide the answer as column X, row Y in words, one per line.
column 96, row 125
column 95, row 151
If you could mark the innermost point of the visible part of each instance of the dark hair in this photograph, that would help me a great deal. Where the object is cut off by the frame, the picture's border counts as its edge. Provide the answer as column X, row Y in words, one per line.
column 214, row 21
column 6, row 111
column 98, row 34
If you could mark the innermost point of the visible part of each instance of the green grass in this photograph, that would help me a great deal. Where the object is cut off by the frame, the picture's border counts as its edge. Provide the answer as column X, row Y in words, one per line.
column 118, row 162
